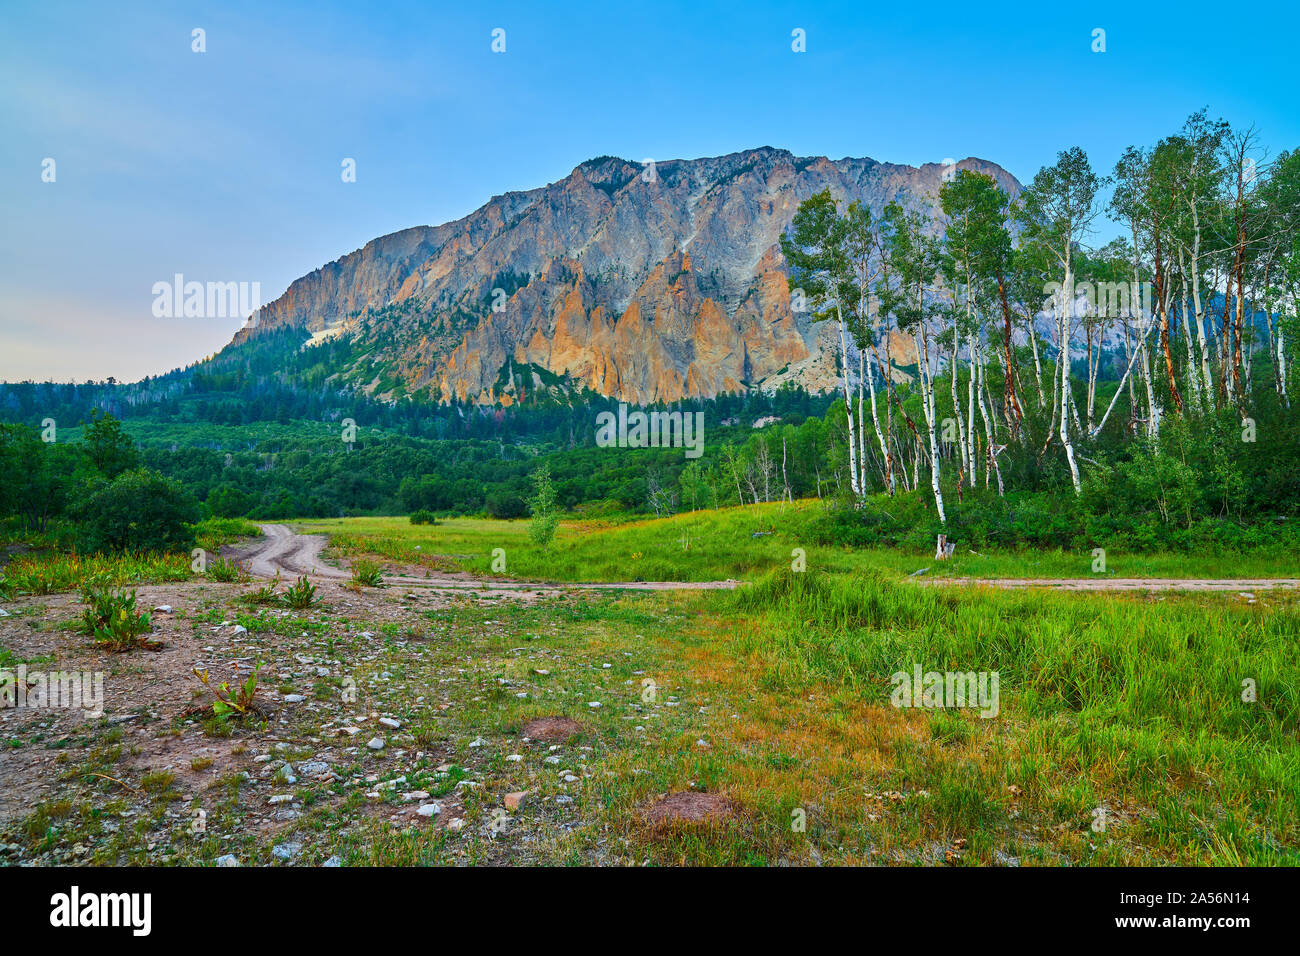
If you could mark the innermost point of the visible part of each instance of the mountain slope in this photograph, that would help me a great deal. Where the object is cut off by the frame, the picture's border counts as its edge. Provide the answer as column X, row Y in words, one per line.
column 649, row 283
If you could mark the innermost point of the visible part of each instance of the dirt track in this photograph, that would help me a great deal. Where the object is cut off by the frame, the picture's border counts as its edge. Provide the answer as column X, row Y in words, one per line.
column 281, row 551
column 1126, row 584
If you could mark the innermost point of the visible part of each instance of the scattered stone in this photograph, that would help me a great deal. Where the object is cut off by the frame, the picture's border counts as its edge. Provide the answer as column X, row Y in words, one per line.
column 375, row 744
column 164, row 609
column 294, row 698
column 390, row 722
column 333, row 861
column 227, row 860
column 515, row 800
column 514, row 758
column 431, row 810
column 286, row 851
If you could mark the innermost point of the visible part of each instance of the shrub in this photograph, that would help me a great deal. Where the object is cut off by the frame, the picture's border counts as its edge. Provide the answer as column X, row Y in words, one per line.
column 138, row 510
column 423, row 516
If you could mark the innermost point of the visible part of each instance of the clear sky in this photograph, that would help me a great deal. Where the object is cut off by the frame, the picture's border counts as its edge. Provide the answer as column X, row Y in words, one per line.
column 225, row 165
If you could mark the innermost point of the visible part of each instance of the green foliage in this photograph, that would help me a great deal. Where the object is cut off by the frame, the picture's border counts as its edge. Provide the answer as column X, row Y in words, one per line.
column 112, row 619
column 367, row 573
column 546, row 515
column 423, row 516
column 264, row 595
column 137, row 511
column 223, row 569
column 232, row 704
column 110, row 449
column 300, row 595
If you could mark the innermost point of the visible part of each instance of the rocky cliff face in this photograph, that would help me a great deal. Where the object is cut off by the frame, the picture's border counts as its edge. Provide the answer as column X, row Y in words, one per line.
column 649, row 283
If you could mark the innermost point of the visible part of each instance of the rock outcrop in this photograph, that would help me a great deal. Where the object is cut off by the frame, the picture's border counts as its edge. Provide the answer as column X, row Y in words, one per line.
column 651, row 283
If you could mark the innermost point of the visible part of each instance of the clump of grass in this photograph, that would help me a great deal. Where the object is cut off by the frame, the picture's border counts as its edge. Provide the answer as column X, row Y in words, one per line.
column 200, row 763
column 223, row 569
column 367, row 573
column 300, row 595
column 263, row 595
column 111, row 618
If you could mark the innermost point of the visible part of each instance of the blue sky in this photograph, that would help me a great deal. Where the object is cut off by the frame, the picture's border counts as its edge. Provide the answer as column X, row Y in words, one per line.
column 225, row 165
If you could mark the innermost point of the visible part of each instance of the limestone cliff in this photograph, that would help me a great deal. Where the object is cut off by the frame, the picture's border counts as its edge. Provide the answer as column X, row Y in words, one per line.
column 645, row 282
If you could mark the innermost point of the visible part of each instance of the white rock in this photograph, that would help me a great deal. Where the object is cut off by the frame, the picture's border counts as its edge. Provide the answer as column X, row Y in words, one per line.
column 294, row 698
column 515, row 758
column 164, row 609
column 227, row 860
column 593, row 704
column 430, row 810
column 375, row 744
column 390, row 722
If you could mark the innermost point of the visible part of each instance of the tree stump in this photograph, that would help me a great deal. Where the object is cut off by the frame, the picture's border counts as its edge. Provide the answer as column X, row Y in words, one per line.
column 944, row 548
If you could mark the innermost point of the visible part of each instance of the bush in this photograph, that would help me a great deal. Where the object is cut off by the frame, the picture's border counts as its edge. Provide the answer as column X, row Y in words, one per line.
column 138, row 510
column 423, row 516
column 506, row 505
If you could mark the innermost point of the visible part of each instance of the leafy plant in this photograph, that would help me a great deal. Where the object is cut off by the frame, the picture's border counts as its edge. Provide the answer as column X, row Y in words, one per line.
column 546, row 512
column 235, row 702
column 112, row 619
column 423, row 516
column 299, row 596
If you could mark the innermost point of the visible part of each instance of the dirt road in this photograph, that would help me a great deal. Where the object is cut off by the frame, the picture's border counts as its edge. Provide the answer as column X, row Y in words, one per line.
column 282, row 551
column 1127, row 584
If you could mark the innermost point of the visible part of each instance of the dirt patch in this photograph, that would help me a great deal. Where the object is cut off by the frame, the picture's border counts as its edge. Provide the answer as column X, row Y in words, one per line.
column 688, row 808
column 552, row 730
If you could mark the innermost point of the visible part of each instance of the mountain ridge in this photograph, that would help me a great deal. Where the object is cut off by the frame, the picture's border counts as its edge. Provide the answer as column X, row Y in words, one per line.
column 650, row 282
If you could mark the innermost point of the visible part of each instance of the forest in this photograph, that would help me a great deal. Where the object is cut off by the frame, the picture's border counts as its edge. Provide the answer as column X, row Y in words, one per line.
column 1002, row 380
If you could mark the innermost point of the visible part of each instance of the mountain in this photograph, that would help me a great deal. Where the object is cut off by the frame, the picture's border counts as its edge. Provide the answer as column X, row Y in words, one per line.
column 647, row 282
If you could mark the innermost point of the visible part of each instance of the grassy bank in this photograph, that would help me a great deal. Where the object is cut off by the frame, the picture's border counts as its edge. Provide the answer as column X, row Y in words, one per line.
column 741, row 543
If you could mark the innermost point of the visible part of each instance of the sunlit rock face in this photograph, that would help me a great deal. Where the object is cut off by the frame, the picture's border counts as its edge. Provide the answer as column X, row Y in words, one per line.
column 647, row 283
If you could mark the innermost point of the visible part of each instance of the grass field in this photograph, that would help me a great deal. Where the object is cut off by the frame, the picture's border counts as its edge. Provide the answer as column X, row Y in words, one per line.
column 1125, row 729
column 740, row 543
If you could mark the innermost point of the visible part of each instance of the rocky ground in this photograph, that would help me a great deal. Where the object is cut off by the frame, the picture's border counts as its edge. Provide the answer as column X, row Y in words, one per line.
column 395, row 726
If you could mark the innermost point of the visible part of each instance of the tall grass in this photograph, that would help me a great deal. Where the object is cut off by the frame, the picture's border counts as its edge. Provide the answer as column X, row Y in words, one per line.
column 52, row 572
column 1187, row 705
column 742, row 543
